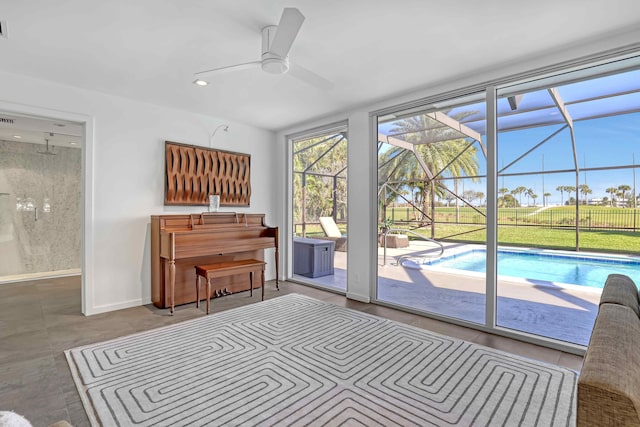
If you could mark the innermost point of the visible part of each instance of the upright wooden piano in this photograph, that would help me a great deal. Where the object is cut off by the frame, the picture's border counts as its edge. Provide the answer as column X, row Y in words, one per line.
column 180, row 242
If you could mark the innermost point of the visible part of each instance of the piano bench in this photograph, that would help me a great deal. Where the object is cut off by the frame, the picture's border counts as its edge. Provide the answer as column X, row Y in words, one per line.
column 228, row 268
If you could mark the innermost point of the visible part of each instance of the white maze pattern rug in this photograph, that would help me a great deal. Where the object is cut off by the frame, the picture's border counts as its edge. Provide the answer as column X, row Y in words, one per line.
column 294, row 361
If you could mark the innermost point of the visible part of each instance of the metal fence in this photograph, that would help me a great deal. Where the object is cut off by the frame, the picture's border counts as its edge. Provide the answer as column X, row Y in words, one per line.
column 589, row 219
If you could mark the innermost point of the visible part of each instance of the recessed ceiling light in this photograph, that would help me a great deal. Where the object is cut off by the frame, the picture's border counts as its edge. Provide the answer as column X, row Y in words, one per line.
column 200, row 82
column 17, row 136
column 73, row 143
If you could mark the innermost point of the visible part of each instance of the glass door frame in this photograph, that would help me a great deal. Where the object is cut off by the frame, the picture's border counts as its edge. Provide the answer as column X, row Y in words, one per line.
column 340, row 126
column 580, row 71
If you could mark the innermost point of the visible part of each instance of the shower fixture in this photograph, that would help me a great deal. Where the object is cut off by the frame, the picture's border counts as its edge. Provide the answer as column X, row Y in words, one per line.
column 47, row 151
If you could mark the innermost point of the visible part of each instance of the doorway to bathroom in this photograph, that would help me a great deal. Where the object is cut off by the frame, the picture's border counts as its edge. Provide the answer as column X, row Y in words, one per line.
column 40, row 197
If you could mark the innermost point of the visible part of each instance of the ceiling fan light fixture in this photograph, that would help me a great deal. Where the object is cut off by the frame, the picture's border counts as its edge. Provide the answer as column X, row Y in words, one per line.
column 275, row 65
column 200, row 82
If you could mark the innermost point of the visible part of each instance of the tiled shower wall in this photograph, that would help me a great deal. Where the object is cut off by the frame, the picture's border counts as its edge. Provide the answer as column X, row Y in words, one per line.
column 40, row 209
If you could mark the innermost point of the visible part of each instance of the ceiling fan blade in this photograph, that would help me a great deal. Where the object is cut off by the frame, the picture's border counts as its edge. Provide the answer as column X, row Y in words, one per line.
column 288, row 27
column 309, row 77
column 228, row 69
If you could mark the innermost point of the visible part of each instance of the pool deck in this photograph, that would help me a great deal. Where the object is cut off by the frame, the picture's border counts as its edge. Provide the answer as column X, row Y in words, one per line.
column 565, row 313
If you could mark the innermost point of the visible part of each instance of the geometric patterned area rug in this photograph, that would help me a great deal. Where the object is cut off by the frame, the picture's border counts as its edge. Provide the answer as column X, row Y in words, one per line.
column 294, row 361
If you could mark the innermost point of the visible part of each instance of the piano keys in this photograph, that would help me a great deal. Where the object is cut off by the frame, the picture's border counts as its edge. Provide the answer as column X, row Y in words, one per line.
column 180, row 242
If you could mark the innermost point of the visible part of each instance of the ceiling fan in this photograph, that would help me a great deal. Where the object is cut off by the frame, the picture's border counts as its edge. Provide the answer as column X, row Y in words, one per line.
column 276, row 43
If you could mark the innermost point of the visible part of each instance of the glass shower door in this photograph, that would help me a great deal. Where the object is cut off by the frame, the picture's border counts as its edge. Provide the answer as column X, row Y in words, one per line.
column 40, row 200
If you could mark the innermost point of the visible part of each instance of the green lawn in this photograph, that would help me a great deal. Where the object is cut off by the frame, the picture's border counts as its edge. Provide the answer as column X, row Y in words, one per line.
column 627, row 242
column 524, row 232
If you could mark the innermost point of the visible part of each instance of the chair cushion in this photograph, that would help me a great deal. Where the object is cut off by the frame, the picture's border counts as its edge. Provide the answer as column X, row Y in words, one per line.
column 330, row 227
column 620, row 289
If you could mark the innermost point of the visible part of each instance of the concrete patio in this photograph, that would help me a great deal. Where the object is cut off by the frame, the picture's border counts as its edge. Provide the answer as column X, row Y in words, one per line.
column 565, row 313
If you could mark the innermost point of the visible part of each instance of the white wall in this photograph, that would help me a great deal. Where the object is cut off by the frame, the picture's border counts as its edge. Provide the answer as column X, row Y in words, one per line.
column 126, row 163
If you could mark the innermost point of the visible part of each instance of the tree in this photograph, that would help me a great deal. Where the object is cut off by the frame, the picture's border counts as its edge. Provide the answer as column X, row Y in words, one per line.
column 315, row 160
column 612, row 192
column 507, row 201
column 585, row 191
column 450, row 198
column 545, row 198
column 518, row 192
column 435, row 150
column 529, row 193
column 469, row 196
column 561, row 189
column 569, row 189
column 623, row 190
column 534, row 196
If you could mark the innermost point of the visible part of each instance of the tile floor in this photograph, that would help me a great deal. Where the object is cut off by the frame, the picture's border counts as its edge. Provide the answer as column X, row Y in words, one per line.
column 40, row 319
column 564, row 313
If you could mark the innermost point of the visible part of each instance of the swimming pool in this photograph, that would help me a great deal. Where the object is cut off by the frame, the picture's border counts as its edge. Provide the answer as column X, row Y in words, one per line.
column 589, row 271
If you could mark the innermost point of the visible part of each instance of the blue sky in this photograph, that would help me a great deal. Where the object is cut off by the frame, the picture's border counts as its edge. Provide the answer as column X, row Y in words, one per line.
column 600, row 142
column 610, row 141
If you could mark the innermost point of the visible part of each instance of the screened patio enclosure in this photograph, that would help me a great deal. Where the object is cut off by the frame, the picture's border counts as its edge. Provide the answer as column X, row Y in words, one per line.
column 319, row 223
column 565, row 182
column 545, row 134
column 320, row 182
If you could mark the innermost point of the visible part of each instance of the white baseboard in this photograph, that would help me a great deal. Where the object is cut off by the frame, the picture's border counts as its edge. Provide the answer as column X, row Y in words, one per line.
column 358, row 297
column 113, row 307
column 35, row 276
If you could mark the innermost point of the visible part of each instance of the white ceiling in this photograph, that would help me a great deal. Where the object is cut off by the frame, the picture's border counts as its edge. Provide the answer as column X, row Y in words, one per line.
column 370, row 49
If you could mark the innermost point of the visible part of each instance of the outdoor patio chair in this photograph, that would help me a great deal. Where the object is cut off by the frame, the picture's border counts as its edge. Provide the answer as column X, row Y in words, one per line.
column 332, row 232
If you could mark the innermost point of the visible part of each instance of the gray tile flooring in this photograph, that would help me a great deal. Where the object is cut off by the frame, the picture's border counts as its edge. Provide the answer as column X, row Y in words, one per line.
column 561, row 312
column 40, row 319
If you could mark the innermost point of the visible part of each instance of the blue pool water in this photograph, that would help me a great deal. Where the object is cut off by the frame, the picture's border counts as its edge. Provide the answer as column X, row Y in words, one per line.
column 578, row 270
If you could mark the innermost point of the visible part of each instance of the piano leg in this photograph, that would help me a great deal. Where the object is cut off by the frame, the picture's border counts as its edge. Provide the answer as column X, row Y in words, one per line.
column 208, row 292
column 277, row 273
column 172, row 274
column 197, row 291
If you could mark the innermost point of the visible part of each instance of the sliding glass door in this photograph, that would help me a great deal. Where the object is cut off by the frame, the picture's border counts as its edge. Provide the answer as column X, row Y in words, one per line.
column 562, row 166
column 431, row 208
column 319, row 223
column 567, row 205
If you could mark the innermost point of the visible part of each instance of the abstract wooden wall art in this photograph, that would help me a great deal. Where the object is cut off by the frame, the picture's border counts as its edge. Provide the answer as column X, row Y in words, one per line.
column 193, row 173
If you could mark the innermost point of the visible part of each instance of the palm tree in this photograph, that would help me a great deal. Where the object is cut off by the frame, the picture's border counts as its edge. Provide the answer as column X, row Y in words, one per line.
column 503, row 191
column 452, row 155
column 569, row 189
column 623, row 189
column 529, row 193
column 534, row 196
column 545, row 198
column 612, row 192
column 585, row 190
column 561, row 189
column 518, row 192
